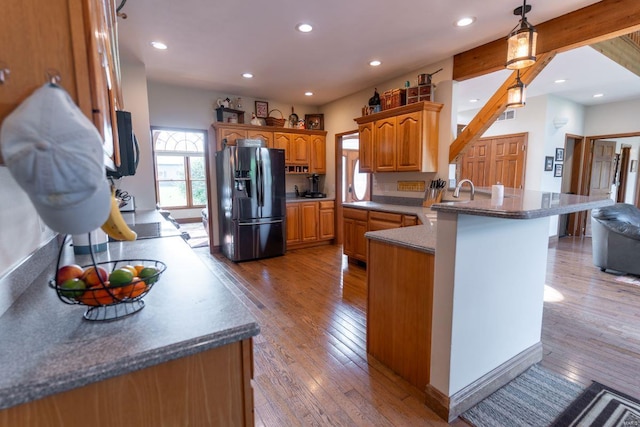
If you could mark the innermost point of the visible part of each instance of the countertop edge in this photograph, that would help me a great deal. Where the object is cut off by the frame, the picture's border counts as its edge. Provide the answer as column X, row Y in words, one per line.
column 460, row 208
column 27, row 392
column 425, row 234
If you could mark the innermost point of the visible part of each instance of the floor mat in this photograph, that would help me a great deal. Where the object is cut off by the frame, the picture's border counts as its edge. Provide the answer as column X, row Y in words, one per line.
column 600, row 405
column 534, row 398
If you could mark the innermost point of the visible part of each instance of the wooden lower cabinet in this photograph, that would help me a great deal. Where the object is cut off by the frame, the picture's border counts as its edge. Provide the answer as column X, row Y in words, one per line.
column 211, row 388
column 327, row 220
column 399, row 307
column 310, row 223
column 355, row 225
column 356, row 222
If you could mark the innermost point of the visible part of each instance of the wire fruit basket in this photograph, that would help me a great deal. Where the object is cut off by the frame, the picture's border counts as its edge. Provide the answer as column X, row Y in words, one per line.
column 90, row 285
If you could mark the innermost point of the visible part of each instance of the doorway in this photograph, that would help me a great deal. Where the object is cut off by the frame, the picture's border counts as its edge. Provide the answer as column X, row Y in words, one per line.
column 351, row 184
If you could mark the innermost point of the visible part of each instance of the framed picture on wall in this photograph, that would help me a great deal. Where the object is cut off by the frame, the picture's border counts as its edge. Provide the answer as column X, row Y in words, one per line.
column 262, row 109
column 557, row 170
column 548, row 163
column 559, row 154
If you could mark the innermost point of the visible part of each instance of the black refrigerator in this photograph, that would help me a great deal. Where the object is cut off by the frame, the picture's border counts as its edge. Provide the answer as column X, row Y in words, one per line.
column 251, row 201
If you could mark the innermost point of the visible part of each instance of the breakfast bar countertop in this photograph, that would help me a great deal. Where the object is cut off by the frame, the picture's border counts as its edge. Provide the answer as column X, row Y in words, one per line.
column 48, row 347
column 523, row 204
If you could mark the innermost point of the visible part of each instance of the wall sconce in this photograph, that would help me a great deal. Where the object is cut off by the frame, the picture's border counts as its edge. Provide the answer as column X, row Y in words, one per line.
column 516, row 94
column 521, row 47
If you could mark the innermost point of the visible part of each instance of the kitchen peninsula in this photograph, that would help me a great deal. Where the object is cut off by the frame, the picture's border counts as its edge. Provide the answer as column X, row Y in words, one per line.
column 184, row 359
column 472, row 283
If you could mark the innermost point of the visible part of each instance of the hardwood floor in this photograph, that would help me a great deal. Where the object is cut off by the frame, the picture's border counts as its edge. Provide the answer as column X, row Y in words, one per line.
column 311, row 365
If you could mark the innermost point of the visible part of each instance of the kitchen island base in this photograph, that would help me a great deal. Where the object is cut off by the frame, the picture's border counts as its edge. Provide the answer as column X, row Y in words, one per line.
column 210, row 388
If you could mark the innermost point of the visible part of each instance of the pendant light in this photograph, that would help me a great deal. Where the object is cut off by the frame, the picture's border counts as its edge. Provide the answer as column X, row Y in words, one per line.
column 516, row 94
column 521, row 48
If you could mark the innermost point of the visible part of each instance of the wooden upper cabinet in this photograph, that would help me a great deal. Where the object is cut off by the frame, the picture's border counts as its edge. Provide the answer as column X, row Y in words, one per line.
column 299, row 149
column 266, row 136
column 384, row 145
column 301, row 146
column 366, row 147
column 226, row 136
column 409, row 151
column 283, row 141
column 79, row 47
column 400, row 139
column 318, row 150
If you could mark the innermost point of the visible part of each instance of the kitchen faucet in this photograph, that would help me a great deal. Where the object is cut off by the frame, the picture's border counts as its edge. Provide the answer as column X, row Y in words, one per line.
column 456, row 193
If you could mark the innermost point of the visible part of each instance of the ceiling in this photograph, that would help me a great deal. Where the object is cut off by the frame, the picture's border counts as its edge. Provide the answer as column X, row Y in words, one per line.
column 212, row 42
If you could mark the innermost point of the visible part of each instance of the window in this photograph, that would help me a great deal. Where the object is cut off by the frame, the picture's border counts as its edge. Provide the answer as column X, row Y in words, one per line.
column 180, row 167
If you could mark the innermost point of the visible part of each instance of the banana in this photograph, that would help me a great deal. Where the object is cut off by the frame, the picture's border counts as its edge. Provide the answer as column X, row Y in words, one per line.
column 115, row 226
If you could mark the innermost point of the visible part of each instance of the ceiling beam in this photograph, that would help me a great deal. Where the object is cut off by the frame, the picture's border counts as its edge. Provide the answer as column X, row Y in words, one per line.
column 592, row 24
column 495, row 106
column 623, row 50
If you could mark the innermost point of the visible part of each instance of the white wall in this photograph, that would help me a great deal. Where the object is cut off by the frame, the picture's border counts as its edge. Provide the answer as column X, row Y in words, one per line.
column 22, row 231
column 613, row 118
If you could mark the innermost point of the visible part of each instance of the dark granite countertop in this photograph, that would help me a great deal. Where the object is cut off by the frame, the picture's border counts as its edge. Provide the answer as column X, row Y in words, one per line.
column 418, row 237
column 309, row 199
column 48, row 348
column 523, row 204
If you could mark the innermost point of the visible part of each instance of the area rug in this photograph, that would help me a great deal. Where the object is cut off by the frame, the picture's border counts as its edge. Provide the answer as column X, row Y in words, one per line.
column 534, row 398
column 600, row 405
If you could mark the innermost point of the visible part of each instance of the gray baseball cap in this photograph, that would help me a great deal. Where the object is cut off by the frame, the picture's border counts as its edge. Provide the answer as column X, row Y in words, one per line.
column 55, row 153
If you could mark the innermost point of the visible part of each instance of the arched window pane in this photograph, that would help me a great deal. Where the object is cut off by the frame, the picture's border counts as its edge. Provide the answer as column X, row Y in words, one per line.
column 359, row 182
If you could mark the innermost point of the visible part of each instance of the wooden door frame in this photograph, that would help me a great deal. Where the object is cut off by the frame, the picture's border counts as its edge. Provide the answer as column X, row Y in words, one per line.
column 586, row 158
column 623, row 170
column 577, row 180
column 338, row 182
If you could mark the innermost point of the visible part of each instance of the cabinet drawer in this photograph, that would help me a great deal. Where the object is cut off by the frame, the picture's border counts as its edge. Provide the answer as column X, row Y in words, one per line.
column 375, row 225
column 357, row 214
column 326, row 205
column 386, row 217
column 409, row 220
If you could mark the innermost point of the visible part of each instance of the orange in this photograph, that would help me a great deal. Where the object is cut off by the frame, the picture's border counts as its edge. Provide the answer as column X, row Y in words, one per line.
column 139, row 268
column 138, row 289
column 100, row 296
column 126, row 290
column 91, row 278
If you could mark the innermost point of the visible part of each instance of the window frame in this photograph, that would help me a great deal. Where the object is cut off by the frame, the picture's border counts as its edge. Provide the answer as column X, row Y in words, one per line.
column 186, row 157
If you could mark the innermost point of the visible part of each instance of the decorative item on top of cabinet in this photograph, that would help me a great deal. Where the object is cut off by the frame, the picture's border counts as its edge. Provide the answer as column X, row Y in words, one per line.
column 80, row 44
column 400, row 139
column 314, row 121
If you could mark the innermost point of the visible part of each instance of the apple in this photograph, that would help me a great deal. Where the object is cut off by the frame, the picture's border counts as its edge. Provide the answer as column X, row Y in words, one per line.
column 92, row 276
column 66, row 272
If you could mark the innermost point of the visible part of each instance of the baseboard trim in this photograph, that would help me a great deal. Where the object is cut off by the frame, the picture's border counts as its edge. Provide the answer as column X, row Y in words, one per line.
column 450, row 407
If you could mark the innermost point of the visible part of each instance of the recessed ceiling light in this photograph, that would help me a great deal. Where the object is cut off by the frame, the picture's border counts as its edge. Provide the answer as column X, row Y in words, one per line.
column 247, row 75
column 560, row 81
column 375, row 63
column 598, row 95
column 308, row 93
column 474, row 100
column 159, row 45
column 463, row 22
column 304, row 28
